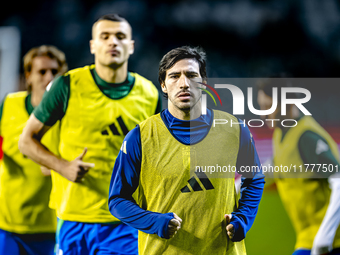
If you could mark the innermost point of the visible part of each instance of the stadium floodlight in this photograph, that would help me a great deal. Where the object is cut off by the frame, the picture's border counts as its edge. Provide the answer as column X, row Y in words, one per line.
column 9, row 60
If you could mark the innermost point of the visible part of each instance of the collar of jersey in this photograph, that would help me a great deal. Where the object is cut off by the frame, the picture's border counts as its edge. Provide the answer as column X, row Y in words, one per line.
column 188, row 132
column 100, row 82
column 28, row 104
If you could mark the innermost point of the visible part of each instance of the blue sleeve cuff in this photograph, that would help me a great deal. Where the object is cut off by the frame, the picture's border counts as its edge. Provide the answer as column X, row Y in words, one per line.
column 163, row 232
column 239, row 228
column 134, row 216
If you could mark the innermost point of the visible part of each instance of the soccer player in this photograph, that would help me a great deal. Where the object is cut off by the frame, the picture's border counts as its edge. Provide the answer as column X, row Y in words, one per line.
column 305, row 199
column 97, row 105
column 157, row 186
column 27, row 224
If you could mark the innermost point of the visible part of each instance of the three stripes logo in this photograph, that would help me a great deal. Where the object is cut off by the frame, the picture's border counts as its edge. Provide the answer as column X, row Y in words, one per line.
column 114, row 129
column 204, row 98
column 198, row 184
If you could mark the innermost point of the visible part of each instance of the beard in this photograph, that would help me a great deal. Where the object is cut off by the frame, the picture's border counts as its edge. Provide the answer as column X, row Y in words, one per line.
column 185, row 106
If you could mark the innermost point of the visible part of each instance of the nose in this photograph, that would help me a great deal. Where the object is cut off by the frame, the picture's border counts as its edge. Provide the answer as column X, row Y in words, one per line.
column 113, row 40
column 184, row 82
column 49, row 76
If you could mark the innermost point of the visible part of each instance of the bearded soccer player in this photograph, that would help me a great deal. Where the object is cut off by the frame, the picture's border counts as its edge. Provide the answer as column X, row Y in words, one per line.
column 311, row 202
column 155, row 186
column 27, row 224
column 97, row 105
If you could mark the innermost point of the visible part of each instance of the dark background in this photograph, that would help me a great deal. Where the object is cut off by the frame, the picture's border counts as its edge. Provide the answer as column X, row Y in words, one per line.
column 243, row 38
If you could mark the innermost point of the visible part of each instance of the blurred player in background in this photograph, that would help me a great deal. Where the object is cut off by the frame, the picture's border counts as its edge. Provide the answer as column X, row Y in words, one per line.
column 159, row 156
column 306, row 200
column 27, row 224
column 98, row 104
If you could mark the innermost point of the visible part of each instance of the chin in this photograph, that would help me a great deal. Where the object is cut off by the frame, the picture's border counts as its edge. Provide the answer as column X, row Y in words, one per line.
column 184, row 108
column 115, row 64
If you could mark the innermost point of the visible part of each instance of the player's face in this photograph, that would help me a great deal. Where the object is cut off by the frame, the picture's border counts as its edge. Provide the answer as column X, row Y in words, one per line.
column 265, row 103
column 43, row 71
column 111, row 43
column 181, row 86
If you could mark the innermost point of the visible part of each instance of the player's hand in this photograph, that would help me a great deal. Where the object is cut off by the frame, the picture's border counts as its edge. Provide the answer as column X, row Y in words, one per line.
column 174, row 225
column 76, row 169
column 230, row 227
column 45, row 171
column 320, row 250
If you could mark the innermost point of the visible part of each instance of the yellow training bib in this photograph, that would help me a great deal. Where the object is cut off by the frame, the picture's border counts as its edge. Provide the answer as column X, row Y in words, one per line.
column 305, row 199
column 24, row 191
column 171, row 182
column 99, row 123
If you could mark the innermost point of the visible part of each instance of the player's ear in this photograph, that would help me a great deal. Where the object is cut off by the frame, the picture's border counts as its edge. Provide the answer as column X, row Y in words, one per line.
column 164, row 88
column 27, row 77
column 92, row 47
column 132, row 47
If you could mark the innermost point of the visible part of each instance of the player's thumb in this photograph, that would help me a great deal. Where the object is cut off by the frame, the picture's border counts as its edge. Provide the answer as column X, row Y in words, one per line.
column 87, row 165
column 81, row 156
column 177, row 217
column 175, row 222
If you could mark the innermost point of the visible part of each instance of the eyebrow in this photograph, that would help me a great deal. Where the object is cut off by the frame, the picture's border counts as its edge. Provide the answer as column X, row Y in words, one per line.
column 172, row 73
column 113, row 33
column 186, row 72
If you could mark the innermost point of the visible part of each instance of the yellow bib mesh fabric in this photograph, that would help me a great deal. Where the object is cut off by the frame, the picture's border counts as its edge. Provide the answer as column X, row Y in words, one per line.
column 305, row 199
column 169, row 182
column 99, row 123
column 24, row 191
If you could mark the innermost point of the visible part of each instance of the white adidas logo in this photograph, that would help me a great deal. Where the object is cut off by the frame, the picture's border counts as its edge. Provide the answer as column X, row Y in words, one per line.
column 321, row 147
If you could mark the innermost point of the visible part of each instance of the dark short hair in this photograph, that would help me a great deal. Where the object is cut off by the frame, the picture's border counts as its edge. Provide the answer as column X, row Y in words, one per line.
column 175, row 55
column 111, row 17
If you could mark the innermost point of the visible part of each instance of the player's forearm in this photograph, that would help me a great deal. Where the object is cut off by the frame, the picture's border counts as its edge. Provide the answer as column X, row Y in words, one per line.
column 131, row 214
column 31, row 146
column 323, row 241
column 35, row 150
column 243, row 218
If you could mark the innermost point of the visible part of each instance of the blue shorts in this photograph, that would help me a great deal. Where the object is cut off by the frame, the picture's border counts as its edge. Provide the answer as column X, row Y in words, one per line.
column 26, row 244
column 76, row 238
column 301, row 252
column 307, row 252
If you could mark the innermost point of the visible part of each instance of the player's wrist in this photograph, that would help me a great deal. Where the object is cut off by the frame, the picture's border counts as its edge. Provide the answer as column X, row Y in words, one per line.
column 60, row 165
column 164, row 230
column 239, row 228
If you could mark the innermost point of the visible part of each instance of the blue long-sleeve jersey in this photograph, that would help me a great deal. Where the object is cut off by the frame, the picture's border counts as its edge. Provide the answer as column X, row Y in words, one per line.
column 125, row 177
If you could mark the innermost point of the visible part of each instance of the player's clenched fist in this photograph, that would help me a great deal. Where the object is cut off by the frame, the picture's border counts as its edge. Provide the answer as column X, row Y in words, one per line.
column 76, row 169
column 230, row 227
column 174, row 225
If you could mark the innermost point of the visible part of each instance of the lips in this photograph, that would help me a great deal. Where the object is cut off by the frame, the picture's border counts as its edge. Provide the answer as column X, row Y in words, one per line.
column 184, row 95
column 113, row 52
